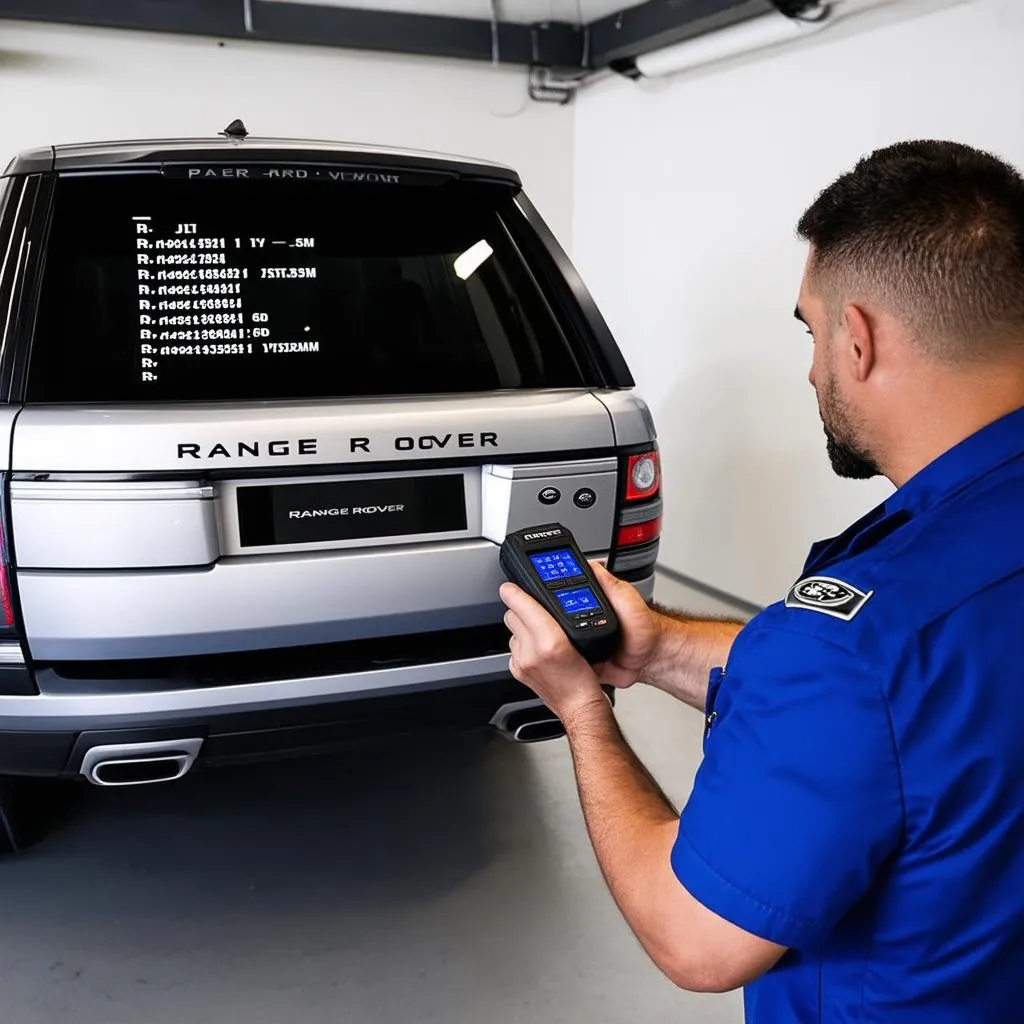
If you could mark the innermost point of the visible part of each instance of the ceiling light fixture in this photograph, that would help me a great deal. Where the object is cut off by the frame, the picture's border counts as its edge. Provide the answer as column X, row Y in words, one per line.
column 770, row 30
column 746, row 37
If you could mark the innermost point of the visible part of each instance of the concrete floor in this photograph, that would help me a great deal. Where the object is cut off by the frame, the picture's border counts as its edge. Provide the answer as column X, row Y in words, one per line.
column 414, row 881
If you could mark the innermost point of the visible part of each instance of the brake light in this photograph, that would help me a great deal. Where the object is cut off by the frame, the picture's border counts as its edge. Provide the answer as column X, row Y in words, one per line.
column 5, row 587
column 5, row 597
column 643, row 476
column 639, row 533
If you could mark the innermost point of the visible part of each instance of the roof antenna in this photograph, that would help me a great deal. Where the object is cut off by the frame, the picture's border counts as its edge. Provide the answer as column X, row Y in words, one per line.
column 235, row 130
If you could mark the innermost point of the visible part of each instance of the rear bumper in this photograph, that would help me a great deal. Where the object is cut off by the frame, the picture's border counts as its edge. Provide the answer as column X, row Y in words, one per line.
column 53, row 744
column 66, row 703
column 276, row 701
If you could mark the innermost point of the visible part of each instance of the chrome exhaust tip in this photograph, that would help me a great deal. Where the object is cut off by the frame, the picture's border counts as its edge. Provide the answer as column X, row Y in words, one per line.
column 535, row 732
column 139, row 764
column 527, row 721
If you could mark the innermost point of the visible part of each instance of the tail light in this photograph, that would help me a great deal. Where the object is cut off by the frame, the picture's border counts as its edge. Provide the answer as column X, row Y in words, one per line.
column 643, row 475
column 639, row 533
column 638, row 525
column 5, row 584
column 5, row 597
column 15, row 678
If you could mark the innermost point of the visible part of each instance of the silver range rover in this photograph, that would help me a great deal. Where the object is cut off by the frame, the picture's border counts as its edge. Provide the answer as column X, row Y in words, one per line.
column 269, row 407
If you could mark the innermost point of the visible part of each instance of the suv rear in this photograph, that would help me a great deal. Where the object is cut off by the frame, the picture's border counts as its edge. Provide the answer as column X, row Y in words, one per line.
column 268, row 409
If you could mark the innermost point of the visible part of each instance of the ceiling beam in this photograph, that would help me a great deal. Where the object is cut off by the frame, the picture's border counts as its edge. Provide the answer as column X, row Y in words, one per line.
column 552, row 44
column 618, row 39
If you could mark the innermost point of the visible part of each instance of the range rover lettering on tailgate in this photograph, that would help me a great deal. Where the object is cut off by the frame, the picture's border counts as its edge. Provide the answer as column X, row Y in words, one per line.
column 269, row 409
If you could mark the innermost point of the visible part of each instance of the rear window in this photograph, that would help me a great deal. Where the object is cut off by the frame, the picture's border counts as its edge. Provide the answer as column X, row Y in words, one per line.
column 160, row 289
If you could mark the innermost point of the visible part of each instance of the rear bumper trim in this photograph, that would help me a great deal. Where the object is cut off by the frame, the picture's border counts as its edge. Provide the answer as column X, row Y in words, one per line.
column 77, row 710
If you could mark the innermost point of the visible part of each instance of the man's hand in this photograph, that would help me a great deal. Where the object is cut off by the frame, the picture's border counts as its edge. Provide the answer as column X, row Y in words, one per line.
column 544, row 659
column 641, row 631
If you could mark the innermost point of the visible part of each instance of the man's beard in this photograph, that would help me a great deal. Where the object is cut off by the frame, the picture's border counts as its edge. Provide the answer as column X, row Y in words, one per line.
column 849, row 459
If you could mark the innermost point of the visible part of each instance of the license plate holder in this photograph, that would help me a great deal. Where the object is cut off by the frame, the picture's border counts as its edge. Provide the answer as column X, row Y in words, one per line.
column 347, row 510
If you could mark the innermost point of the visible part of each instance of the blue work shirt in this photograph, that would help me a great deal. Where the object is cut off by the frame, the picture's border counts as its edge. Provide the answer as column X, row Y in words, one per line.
column 861, row 797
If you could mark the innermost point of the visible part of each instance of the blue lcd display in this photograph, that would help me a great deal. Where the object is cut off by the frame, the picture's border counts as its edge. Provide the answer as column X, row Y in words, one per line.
column 579, row 599
column 556, row 565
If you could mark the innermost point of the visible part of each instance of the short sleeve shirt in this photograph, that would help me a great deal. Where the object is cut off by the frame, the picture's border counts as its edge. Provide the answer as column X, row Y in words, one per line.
column 861, row 797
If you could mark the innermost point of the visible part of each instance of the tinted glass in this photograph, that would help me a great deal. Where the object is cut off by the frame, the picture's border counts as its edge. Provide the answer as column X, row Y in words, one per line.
column 10, row 254
column 162, row 290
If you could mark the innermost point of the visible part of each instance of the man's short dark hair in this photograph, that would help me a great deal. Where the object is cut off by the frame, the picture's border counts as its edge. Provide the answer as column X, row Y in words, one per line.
column 934, row 233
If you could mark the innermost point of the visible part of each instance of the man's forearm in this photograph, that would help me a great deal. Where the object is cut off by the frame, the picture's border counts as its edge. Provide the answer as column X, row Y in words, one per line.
column 633, row 829
column 631, row 823
column 688, row 650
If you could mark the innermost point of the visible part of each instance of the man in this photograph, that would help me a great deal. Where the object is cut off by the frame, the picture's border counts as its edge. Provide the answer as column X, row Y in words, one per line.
column 853, row 848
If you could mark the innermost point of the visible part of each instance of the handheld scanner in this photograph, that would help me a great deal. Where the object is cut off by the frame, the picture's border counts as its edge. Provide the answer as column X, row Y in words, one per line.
column 547, row 563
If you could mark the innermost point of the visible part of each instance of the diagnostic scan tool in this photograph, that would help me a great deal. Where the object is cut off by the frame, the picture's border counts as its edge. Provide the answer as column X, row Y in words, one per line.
column 547, row 563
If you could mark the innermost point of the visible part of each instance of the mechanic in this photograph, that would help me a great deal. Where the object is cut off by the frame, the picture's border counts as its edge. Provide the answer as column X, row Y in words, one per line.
column 853, row 847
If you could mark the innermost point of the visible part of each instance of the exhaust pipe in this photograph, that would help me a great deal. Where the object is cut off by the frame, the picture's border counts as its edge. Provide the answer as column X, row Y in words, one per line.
column 138, row 764
column 527, row 721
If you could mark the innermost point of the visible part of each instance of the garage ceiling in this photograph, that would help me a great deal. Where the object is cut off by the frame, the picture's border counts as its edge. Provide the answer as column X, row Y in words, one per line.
column 567, row 38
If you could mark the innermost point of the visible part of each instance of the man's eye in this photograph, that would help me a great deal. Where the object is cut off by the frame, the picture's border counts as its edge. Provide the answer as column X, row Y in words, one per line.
column 809, row 333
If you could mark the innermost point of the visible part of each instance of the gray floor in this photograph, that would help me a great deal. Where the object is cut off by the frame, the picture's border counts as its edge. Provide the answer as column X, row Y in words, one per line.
column 410, row 882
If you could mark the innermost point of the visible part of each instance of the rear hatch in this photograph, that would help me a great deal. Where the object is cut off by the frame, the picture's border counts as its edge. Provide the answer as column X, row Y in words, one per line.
column 277, row 410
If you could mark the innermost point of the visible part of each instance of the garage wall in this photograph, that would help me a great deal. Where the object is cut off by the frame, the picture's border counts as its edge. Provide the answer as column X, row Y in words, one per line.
column 70, row 84
column 686, row 199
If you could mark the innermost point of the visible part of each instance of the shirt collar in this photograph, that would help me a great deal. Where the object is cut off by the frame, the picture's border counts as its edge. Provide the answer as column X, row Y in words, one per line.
column 974, row 457
column 981, row 453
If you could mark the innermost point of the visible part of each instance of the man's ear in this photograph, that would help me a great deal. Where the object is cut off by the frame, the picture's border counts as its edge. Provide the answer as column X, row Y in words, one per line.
column 860, row 342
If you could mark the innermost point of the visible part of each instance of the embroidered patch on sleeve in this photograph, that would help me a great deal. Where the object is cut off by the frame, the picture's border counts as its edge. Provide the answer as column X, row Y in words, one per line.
column 828, row 596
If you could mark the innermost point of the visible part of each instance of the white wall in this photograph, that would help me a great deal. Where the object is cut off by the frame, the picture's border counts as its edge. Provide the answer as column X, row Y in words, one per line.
column 685, row 206
column 70, row 84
